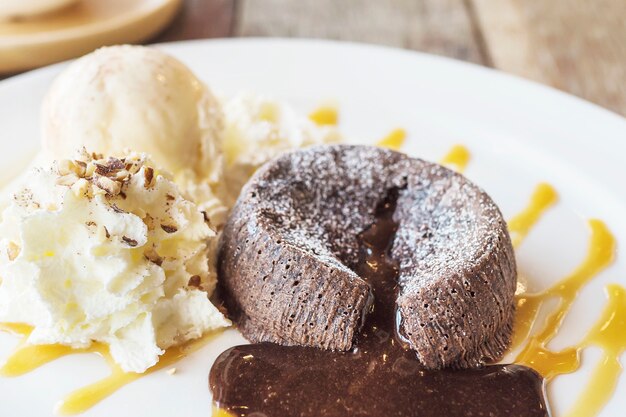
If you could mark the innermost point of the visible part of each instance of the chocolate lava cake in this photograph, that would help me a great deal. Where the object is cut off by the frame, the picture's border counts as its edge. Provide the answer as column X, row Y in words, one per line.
column 288, row 250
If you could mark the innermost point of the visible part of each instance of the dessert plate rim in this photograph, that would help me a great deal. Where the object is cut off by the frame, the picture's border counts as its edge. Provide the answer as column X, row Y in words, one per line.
column 560, row 138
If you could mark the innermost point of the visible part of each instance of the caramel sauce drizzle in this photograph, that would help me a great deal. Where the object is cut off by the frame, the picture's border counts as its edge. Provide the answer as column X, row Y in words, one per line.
column 394, row 140
column 84, row 398
column 27, row 358
column 608, row 333
column 325, row 116
column 535, row 353
column 544, row 196
column 458, row 157
column 18, row 329
column 220, row 412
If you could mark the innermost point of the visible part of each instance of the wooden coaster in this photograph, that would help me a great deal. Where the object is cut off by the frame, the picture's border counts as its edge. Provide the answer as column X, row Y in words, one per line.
column 79, row 29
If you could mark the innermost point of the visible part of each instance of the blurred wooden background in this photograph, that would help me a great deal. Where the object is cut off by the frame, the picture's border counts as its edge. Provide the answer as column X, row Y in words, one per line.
column 578, row 46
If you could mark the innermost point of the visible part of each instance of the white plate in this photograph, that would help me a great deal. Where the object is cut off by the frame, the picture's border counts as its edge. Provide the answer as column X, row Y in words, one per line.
column 519, row 134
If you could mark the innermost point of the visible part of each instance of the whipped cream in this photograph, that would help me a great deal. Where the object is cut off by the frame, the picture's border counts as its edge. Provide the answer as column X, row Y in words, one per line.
column 258, row 128
column 107, row 250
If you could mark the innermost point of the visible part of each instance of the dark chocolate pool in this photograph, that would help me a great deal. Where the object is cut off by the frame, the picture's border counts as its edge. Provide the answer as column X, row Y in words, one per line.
column 379, row 377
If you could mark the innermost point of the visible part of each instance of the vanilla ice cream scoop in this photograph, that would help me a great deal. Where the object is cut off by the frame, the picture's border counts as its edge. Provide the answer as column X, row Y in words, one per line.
column 23, row 8
column 139, row 98
column 107, row 250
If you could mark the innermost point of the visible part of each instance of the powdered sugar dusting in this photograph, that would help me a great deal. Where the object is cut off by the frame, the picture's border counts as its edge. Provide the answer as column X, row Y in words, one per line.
column 457, row 269
column 321, row 198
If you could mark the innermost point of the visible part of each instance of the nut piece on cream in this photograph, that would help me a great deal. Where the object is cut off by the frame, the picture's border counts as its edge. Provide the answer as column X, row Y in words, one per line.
column 139, row 98
column 107, row 250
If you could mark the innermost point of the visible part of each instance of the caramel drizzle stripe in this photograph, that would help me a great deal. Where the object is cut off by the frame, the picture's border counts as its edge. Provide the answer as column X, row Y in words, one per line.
column 608, row 333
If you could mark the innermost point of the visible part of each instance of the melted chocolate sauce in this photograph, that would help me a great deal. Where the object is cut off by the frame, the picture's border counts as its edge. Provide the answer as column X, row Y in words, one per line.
column 379, row 377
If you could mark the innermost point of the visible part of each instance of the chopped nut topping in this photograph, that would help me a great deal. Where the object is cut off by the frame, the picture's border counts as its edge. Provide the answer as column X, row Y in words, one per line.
column 63, row 167
column 153, row 256
column 117, row 209
column 111, row 187
column 115, row 164
column 102, row 169
column 79, row 169
column 108, row 176
column 99, row 191
column 13, row 251
column 129, row 241
column 92, row 175
column 169, row 229
column 149, row 221
column 81, row 187
column 194, row 281
column 67, row 180
column 148, row 174
column 132, row 167
column 90, row 169
column 207, row 220
column 122, row 175
column 102, row 233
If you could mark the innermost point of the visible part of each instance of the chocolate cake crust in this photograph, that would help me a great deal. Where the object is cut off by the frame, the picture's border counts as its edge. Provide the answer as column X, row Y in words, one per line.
column 288, row 251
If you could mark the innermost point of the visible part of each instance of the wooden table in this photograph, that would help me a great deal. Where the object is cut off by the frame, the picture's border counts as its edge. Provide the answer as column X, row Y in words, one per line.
column 577, row 46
